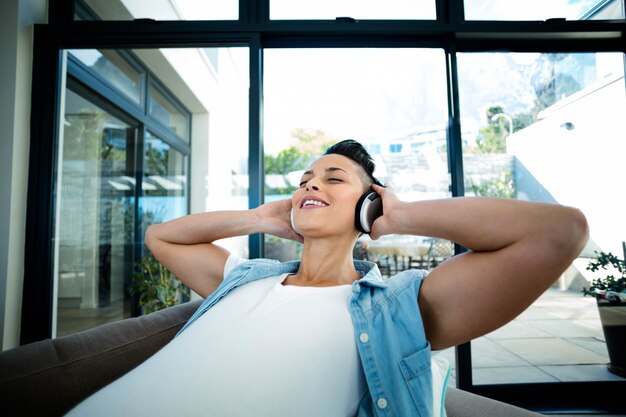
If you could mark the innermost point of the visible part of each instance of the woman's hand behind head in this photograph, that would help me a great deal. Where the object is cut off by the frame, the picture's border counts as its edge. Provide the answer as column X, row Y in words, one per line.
column 385, row 224
column 275, row 219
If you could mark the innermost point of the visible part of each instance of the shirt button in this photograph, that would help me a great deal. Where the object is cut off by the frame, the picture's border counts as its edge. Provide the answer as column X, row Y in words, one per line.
column 357, row 287
column 364, row 337
column 381, row 403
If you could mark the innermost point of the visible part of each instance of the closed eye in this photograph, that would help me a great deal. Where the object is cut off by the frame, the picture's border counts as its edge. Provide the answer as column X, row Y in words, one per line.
column 331, row 180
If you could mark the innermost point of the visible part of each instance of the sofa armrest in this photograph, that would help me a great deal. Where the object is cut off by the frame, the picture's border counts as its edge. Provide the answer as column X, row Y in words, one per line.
column 465, row 404
column 52, row 376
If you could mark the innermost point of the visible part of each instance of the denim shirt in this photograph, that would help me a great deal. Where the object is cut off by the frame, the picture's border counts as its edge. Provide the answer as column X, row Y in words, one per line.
column 388, row 331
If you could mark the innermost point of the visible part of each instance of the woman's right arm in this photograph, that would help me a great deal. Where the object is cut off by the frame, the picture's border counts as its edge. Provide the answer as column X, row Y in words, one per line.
column 186, row 245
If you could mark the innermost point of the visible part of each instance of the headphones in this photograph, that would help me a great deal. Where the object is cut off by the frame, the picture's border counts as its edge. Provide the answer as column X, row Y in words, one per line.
column 368, row 209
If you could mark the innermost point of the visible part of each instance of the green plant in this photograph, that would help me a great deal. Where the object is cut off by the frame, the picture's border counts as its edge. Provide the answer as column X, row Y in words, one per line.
column 503, row 187
column 610, row 282
column 157, row 287
column 282, row 249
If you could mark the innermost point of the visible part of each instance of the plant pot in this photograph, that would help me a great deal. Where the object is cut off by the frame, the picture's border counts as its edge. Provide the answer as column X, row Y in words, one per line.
column 613, row 318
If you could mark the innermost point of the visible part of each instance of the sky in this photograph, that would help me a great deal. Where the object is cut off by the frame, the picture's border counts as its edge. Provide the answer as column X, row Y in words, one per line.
column 357, row 93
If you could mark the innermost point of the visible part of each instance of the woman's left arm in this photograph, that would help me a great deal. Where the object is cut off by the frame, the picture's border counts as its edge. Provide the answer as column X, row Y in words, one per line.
column 517, row 250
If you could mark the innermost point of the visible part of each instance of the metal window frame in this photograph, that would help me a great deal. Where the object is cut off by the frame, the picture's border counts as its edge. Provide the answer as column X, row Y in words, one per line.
column 85, row 90
column 152, row 81
column 450, row 31
column 78, row 65
column 140, row 110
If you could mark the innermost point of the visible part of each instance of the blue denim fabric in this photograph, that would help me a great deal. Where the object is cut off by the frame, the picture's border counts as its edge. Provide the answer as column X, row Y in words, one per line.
column 388, row 331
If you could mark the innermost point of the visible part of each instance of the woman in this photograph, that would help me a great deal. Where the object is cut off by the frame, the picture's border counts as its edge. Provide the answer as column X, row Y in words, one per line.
column 326, row 336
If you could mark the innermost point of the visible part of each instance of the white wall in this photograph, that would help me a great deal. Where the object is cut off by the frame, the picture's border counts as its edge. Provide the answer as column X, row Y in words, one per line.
column 16, row 37
column 582, row 166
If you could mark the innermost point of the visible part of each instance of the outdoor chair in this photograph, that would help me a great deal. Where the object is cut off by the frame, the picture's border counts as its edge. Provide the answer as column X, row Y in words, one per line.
column 439, row 251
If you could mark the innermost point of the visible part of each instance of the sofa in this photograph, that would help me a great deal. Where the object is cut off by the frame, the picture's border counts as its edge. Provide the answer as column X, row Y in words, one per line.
column 49, row 377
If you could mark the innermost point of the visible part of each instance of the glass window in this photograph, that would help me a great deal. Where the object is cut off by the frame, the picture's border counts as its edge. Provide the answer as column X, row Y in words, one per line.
column 164, row 9
column 164, row 185
column 225, row 175
column 543, row 10
column 97, row 246
column 95, row 217
column 384, row 98
column 548, row 127
column 167, row 113
column 113, row 68
column 357, row 9
column 212, row 55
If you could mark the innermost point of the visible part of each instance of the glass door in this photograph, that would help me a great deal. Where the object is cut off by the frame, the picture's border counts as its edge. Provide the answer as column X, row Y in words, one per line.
column 164, row 184
column 95, row 222
column 125, row 162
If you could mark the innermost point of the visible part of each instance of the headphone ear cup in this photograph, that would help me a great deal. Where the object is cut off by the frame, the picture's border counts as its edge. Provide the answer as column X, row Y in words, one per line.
column 293, row 225
column 357, row 213
column 368, row 209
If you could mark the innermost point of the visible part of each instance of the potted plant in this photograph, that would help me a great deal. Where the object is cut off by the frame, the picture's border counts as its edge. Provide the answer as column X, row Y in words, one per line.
column 610, row 293
column 157, row 287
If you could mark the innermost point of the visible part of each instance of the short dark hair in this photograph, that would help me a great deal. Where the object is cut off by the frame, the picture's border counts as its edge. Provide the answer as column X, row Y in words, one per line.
column 353, row 150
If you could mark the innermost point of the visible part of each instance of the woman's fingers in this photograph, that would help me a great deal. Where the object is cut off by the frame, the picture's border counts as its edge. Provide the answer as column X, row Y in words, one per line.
column 276, row 216
column 382, row 224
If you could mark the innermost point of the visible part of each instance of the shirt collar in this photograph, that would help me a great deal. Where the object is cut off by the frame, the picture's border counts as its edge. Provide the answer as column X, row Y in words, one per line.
column 370, row 274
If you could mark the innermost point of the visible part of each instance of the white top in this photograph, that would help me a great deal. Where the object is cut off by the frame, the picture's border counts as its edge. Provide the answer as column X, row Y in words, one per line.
column 266, row 349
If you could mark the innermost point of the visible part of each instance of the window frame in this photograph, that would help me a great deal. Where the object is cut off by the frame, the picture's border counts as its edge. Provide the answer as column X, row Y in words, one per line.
column 78, row 66
column 152, row 82
column 86, row 92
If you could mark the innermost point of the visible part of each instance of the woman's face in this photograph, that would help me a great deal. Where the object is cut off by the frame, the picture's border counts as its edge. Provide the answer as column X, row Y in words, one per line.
column 325, row 202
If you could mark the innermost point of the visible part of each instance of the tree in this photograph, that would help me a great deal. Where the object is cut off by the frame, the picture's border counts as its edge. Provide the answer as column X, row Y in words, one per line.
column 309, row 144
column 287, row 160
column 491, row 138
column 312, row 142
column 157, row 161
column 502, row 187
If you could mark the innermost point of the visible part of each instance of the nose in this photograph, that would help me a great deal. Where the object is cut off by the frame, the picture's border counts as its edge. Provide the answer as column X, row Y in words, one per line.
column 312, row 184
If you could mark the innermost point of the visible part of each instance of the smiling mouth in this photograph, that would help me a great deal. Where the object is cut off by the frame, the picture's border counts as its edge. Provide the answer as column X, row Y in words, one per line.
column 313, row 203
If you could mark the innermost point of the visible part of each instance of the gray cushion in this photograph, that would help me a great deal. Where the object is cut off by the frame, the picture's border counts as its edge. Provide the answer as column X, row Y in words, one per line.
column 49, row 377
column 465, row 404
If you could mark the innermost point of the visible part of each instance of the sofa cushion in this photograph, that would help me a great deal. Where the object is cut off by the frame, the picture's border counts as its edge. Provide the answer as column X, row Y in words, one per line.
column 49, row 377
column 465, row 404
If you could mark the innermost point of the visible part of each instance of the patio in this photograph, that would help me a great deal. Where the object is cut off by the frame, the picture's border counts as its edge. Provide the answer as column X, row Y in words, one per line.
column 557, row 339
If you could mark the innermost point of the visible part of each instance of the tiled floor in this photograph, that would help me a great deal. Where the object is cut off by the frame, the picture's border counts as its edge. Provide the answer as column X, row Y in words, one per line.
column 72, row 320
column 558, row 338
